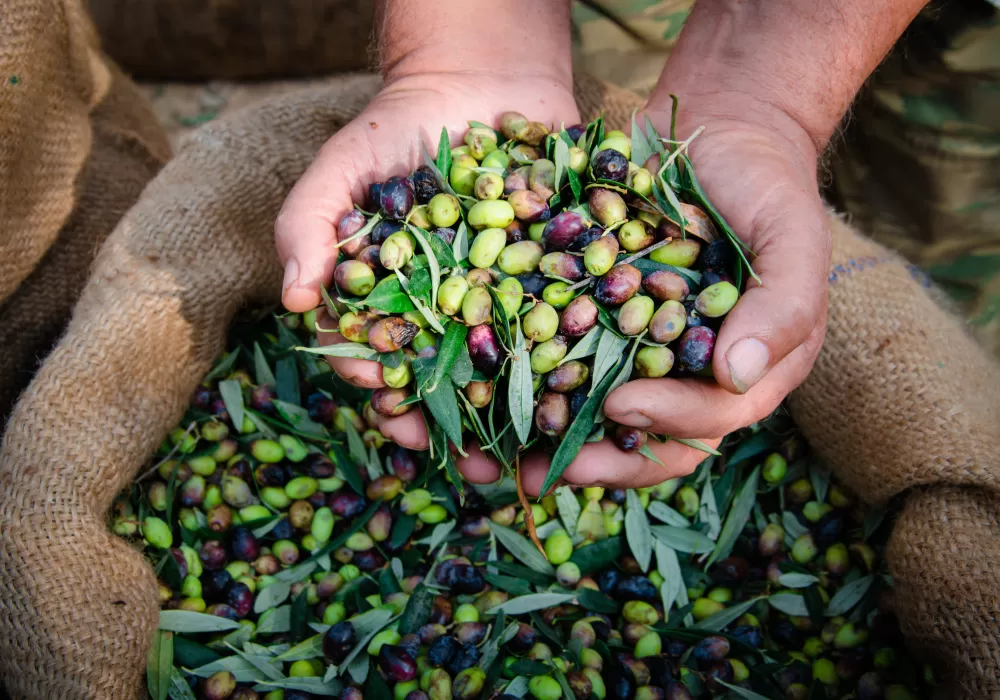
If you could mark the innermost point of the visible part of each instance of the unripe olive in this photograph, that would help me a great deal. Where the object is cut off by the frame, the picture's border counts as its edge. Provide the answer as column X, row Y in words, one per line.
column 496, row 159
column 488, row 186
column 682, row 252
column 521, row 257
column 511, row 124
column 654, row 362
column 635, row 235
column 397, row 250
column 717, row 300
column 490, row 214
column 398, row 377
column 481, row 141
column 546, row 355
column 486, row 246
column 540, row 323
column 635, row 314
column 578, row 160
column 607, row 207
column 477, row 306
column 355, row 278
column 511, row 295
column 687, row 501
column 664, row 285
column 642, row 182
column 355, row 326
column 618, row 141
column 451, row 294
column 542, row 177
column 444, row 210
column 579, row 316
column 668, row 322
column 157, row 532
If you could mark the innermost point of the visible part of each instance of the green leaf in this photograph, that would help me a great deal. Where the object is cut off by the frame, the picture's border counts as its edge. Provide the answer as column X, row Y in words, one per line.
column 849, row 596
column 697, row 444
column 348, row 468
column 737, row 518
column 790, row 604
column 600, row 555
column 435, row 266
column 623, row 375
column 534, row 601
column 244, row 671
column 271, row 597
column 673, row 587
column 443, row 161
column 683, row 540
column 756, row 444
column 179, row 688
column 569, row 508
column 160, row 664
column 708, row 512
column 501, row 324
column 508, row 584
column 653, row 138
column 460, row 246
column 641, row 150
column 442, row 251
column 873, row 521
column 232, row 397
column 372, row 626
column 224, row 365
column 402, row 528
column 315, row 686
column 522, row 549
column 520, row 397
column 561, row 161
column 388, row 296
column 308, row 649
column 188, row 654
column 595, row 601
column 797, row 580
column 742, row 692
column 637, row 531
column 574, row 184
column 262, row 371
column 440, row 534
column 718, row 621
column 521, row 572
column 354, row 350
column 288, row 381
column 497, row 639
column 585, row 346
column 462, row 371
column 820, row 480
column 577, row 433
column 608, row 354
column 189, row 622
column 793, row 528
column 298, row 418
column 449, row 351
column 418, row 609
column 439, row 400
column 355, row 445
column 664, row 513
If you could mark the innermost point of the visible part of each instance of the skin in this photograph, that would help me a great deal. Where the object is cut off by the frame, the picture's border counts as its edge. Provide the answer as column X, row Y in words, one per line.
column 768, row 80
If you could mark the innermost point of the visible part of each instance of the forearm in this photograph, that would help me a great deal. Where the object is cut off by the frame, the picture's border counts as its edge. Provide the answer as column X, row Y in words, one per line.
column 475, row 36
column 798, row 59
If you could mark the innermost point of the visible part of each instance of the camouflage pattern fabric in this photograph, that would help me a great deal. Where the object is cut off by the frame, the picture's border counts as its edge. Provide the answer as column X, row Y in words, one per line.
column 918, row 165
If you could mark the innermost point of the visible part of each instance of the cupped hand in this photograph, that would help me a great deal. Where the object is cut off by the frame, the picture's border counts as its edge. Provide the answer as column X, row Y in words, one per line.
column 384, row 140
column 759, row 171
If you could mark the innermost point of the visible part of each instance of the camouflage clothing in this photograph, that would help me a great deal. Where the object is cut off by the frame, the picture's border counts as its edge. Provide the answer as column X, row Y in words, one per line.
column 919, row 162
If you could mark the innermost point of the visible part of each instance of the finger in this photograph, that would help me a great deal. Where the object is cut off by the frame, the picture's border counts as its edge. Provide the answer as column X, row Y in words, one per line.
column 690, row 408
column 478, row 467
column 305, row 231
column 361, row 373
column 792, row 243
column 603, row 464
column 408, row 430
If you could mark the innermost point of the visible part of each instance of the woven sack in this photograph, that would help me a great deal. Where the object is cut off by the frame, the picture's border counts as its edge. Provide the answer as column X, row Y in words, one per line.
column 78, row 606
column 79, row 144
column 235, row 39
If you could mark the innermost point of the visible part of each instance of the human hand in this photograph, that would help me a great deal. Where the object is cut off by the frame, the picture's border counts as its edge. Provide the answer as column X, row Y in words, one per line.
column 378, row 143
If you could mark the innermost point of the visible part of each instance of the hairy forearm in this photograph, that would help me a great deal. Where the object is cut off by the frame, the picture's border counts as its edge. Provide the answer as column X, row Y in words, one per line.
column 803, row 60
column 474, row 36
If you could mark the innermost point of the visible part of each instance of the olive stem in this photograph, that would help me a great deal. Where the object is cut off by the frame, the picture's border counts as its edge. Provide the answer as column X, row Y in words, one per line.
column 363, row 231
column 170, row 454
column 676, row 153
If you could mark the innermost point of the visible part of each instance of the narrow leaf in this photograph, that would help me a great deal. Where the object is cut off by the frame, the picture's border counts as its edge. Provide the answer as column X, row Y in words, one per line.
column 664, row 513
column 189, row 622
column 521, row 549
column 520, row 398
column 820, row 480
column 179, row 688
column 698, row 445
column 388, row 296
column 718, row 621
column 742, row 692
column 683, row 540
column 449, row 350
column 600, row 555
column 354, row 350
column 608, row 354
column 793, row 528
column 460, row 246
column 737, row 518
column 797, row 580
column 160, row 664
column 585, row 346
column 708, row 513
column 637, row 531
column 440, row 401
column 262, row 371
column 849, row 596
column 528, row 603
column 417, row 610
column 232, row 397
column 569, row 508
column 790, row 604
column 443, row 161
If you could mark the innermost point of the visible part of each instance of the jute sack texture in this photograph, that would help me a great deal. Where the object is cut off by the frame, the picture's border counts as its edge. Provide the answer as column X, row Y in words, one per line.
column 235, row 39
column 79, row 143
column 78, row 606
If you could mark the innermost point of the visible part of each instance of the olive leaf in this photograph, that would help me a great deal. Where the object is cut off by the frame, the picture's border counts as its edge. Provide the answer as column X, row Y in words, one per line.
column 793, row 528
column 417, row 610
column 388, row 296
column 179, row 688
column 585, row 346
column 355, row 445
column 433, row 264
column 460, row 246
column 232, row 397
column 243, row 670
column 797, row 580
column 758, row 443
column 848, row 596
column 561, row 161
column 789, row 603
column 664, row 513
column 315, row 686
column 440, row 400
column 637, row 530
column 873, row 521
column 742, row 692
column 160, row 664
column 308, row 649
column 669, row 569
column 569, row 508
column 820, row 480
column 190, row 622
column 353, row 350
column 623, row 375
column 718, row 621
column 683, row 540
column 520, row 396
column 641, row 150
column 272, row 596
column 529, row 603
column 262, row 371
column 298, row 418
column 449, row 351
column 737, row 518
column 521, row 549
column 443, row 162
column 608, row 354
column 222, row 368
column 574, row 184
column 698, row 445
column 599, row 555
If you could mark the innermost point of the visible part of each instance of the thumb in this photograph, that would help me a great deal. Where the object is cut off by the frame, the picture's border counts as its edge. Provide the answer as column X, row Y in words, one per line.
column 306, row 228
column 780, row 313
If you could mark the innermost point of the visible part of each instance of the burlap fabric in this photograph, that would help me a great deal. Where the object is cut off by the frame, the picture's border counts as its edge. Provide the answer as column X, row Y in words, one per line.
column 235, row 39
column 78, row 607
column 79, row 144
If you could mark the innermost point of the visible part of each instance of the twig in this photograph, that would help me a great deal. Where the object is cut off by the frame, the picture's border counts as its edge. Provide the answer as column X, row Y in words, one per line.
column 529, row 516
column 170, row 454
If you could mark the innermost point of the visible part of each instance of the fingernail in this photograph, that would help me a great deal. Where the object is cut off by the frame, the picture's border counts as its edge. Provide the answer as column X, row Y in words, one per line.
column 748, row 360
column 634, row 419
column 291, row 274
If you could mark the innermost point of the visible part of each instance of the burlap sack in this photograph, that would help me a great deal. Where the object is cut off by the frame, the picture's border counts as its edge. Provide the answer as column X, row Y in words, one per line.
column 79, row 144
column 78, row 607
column 235, row 39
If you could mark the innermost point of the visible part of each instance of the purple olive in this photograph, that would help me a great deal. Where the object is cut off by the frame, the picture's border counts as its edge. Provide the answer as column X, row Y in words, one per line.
column 562, row 230
column 383, row 229
column 346, row 504
column 584, row 239
column 484, row 349
column 696, row 346
column 396, row 197
column 563, row 265
column 446, row 234
column 240, row 599
column 664, row 285
column 338, row 641
column 610, row 164
column 619, row 285
column 533, row 283
column 213, row 555
column 425, row 184
column 579, row 316
column 374, row 195
column 552, row 413
column 261, row 398
column 352, row 222
column 629, row 439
